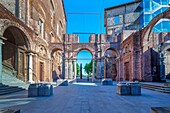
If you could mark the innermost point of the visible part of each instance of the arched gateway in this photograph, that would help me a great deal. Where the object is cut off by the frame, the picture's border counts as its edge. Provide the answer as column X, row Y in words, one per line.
column 98, row 47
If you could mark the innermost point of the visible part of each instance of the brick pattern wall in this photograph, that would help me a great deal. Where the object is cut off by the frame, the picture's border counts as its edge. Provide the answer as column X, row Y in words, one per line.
column 27, row 22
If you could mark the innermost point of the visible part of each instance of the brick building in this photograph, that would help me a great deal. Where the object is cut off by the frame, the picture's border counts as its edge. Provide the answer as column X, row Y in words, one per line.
column 129, row 51
column 28, row 29
column 34, row 48
column 144, row 39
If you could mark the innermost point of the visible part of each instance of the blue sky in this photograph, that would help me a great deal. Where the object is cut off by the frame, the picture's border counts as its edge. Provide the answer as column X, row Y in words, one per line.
column 84, row 16
column 84, row 21
column 83, row 58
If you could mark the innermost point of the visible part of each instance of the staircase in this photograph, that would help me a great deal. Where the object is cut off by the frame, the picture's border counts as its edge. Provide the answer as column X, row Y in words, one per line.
column 156, row 87
column 9, row 78
column 5, row 89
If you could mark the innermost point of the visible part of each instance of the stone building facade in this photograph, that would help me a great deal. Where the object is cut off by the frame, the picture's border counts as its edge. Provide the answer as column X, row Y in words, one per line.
column 122, row 17
column 143, row 53
column 102, row 49
column 29, row 29
column 36, row 50
column 127, row 52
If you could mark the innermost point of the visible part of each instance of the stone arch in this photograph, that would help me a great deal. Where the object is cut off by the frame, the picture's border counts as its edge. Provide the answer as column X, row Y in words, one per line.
column 148, row 29
column 150, row 50
column 90, row 50
column 18, row 45
column 109, row 48
column 54, row 50
column 5, row 23
column 55, row 47
column 110, row 63
column 56, row 57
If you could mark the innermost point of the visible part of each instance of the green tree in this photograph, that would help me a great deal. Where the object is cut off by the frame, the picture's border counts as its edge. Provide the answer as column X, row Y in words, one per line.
column 78, row 69
column 88, row 68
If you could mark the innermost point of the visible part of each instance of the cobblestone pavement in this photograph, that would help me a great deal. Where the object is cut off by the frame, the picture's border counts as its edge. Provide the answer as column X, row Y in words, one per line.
column 85, row 98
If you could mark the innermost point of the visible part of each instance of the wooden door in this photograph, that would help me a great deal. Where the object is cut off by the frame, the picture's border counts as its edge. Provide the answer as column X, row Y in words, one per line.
column 41, row 71
column 127, row 70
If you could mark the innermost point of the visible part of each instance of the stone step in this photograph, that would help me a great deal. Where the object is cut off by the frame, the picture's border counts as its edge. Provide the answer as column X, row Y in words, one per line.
column 10, row 91
column 9, row 111
column 160, row 110
column 4, row 89
column 10, row 80
column 154, row 87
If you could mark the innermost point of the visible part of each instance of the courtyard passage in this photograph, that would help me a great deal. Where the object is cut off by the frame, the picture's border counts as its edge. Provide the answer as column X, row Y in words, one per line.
column 86, row 97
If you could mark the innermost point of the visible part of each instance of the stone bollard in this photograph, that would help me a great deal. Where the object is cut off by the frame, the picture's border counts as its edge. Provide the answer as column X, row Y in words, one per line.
column 135, row 88
column 45, row 90
column 104, row 82
column 122, row 89
column 51, row 89
column 107, row 81
column 59, row 81
column 33, row 90
column 64, row 83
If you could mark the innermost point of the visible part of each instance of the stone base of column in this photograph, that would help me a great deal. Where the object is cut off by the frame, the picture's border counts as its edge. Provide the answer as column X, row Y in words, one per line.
column 31, row 81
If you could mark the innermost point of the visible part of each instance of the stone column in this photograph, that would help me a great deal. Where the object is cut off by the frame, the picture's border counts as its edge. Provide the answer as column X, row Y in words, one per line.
column 99, row 71
column 1, row 42
column 66, row 69
column 70, row 69
column 75, row 69
column 63, row 66
column 36, row 66
column 105, row 62
column 30, row 67
column 93, row 71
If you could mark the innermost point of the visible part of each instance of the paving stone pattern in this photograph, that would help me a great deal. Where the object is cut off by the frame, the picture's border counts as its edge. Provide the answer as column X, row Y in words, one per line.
column 85, row 98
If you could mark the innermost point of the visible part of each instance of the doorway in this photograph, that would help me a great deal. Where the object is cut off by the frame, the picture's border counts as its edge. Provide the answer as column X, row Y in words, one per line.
column 127, row 70
column 110, row 64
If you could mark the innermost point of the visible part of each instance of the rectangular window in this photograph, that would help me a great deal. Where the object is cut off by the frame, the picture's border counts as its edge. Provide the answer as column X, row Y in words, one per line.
column 41, row 24
column 116, row 20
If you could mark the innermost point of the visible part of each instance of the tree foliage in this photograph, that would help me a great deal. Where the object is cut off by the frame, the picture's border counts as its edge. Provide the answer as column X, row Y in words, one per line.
column 88, row 68
column 78, row 69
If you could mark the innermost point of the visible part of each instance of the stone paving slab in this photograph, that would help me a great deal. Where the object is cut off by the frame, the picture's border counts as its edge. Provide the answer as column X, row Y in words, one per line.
column 85, row 98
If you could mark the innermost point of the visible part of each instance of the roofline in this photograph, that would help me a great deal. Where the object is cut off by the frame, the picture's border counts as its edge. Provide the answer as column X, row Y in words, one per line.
column 129, row 3
column 64, row 10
